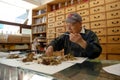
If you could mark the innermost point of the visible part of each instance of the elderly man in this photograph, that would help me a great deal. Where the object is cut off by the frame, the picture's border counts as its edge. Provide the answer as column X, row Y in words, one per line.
column 77, row 40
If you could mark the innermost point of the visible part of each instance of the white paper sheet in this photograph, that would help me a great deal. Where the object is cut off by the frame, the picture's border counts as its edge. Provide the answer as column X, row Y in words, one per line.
column 3, row 54
column 79, row 60
column 113, row 69
column 14, row 62
column 48, row 69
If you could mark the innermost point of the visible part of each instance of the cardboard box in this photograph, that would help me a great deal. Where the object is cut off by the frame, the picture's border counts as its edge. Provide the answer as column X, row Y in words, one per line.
column 25, row 38
column 14, row 38
column 3, row 38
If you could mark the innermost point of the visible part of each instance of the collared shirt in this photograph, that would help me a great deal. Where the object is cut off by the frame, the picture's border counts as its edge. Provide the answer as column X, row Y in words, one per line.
column 93, row 48
column 82, row 30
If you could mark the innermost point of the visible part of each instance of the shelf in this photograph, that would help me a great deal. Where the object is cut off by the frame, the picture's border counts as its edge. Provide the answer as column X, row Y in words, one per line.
column 42, row 41
column 39, row 33
column 17, row 49
column 38, row 28
column 14, row 43
column 39, row 16
column 38, row 24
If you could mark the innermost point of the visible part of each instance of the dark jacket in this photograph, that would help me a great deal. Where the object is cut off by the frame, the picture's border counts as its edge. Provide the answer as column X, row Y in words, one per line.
column 93, row 48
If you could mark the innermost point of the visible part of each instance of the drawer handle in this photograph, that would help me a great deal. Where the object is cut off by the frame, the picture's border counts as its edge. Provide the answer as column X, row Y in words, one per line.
column 82, row 6
column 95, row 10
column 116, row 39
column 98, row 32
column 60, row 18
column 59, row 12
column 82, row 13
column 114, row 6
column 96, row 2
column 96, row 17
column 97, row 24
column 115, row 30
column 115, row 22
column 69, row 9
column 99, row 39
column 83, row 19
column 59, row 29
column 114, row 14
column 59, row 23
column 98, row 9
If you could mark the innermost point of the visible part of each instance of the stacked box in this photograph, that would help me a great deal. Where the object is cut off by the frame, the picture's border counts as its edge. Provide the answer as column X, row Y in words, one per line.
column 14, row 38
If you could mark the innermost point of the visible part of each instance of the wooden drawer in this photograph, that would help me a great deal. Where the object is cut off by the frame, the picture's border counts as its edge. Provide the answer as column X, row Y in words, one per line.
column 113, row 31
column 51, row 30
column 109, row 1
column 51, row 14
column 113, row 6
column 49, row 40
column 49, row 36
column 97, row 9
column 58, row 34
column 83, row 12
column 114, row 22
column 86, row 25
column 85, row 19
column 59, row 23
column 97, row 17
column 94, row 3
column 82, row 6
column 50, row 20
column 102, row 57
column 51, row 25
column 60, row 12
column 114, row 39
column 60, row 18
column 103, row 48
column 70, row 9
column 14, row 39
column 102, row 39
column 113, row 14
column 60, row 29
column 100, row 31
column 113, row 48
column 66, row 15
column 98, row 24
column 113, row 57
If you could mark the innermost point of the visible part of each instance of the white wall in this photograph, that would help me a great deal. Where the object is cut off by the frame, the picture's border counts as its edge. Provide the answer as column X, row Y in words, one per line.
column 45, row 1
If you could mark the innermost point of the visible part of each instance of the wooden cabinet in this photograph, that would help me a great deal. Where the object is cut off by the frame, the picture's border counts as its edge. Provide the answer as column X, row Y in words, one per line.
column 82, row 6
column 83, row 12
column 97, row 9
column 14, row 42
column 39, row 24
column 101, row 16
column 94, row 3
column 70, row 9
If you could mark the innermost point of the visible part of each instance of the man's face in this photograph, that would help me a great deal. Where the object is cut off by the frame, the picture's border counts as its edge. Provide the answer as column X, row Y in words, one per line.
column 74, row 27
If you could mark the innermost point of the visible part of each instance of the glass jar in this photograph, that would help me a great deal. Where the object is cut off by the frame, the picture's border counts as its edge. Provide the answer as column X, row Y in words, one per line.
column 66, row 4
column 59, row 5
column 53, row 7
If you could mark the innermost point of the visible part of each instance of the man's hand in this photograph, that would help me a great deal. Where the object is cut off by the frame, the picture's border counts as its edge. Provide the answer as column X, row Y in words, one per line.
column 77, row 38
column 49, row 51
